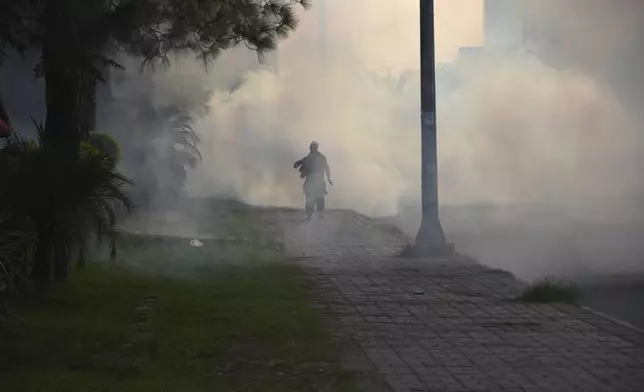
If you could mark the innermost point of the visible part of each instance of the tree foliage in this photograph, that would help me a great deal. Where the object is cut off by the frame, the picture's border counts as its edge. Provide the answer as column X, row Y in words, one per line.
column 15, row 244
column 106, row 145
column 93, row 30
column 165, row 162
column 80, row 39
column 65, row 203
column 66, row 194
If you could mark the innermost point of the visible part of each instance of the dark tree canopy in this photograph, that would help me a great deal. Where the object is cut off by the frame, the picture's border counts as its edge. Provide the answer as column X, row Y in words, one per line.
column 80, row 39
column 150, row 28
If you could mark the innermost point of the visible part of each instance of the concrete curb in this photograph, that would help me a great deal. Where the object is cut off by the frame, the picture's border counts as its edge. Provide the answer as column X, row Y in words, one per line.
column 614, row 319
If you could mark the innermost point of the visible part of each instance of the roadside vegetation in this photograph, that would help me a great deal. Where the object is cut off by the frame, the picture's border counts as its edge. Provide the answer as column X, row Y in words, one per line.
column 226, row 315
column 551, row 290
column 231, row 315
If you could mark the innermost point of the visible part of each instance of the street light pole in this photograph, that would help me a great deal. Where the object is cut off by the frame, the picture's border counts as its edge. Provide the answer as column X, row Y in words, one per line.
column 430, row 240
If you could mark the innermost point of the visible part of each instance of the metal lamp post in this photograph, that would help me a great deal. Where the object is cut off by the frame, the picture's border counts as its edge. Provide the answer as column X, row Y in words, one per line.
column 430, row 240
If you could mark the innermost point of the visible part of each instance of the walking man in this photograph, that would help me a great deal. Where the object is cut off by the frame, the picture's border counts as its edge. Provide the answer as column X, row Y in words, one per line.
column 313, row 169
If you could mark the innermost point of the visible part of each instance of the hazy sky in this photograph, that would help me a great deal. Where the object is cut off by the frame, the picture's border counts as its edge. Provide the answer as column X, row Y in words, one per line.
column 387, row 33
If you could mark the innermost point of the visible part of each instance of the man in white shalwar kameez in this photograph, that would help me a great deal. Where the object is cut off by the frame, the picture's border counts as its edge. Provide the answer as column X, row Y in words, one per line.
column 313, row 169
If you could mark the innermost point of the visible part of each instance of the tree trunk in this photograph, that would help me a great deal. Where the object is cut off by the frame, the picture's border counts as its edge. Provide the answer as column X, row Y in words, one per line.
column 64, row 111
column 70, row 98
column 3, row 113
column 70, row 80
column 42, row 269
column 61, row 260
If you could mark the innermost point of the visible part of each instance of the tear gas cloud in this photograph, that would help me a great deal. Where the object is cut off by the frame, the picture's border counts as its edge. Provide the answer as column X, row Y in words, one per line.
column 347, row 97
column 514, row 130
column 549, row 123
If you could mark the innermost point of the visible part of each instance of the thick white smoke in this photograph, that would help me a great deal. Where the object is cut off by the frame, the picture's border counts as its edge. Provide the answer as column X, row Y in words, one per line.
column 512, row 130
column 348, row 97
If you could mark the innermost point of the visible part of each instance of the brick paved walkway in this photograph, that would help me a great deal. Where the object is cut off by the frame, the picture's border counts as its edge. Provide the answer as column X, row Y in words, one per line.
column 437, row 326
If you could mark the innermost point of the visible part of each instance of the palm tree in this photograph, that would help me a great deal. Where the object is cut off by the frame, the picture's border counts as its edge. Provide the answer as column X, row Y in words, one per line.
column 15, row 243
column 66, row 203
column 105, row 144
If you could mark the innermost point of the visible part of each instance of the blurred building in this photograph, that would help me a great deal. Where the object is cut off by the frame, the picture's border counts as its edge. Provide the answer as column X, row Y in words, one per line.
column 503, row 25
column 518, row 25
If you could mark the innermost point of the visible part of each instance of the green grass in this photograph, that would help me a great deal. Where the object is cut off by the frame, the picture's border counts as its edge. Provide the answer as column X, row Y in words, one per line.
column 238, row 319
column 551, row 290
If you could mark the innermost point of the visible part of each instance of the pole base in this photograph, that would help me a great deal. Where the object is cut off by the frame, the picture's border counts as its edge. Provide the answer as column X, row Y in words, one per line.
column 446, row 251
column 430, row 240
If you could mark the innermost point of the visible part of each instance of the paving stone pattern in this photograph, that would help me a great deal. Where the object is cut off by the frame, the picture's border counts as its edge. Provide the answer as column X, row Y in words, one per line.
column 438, row 325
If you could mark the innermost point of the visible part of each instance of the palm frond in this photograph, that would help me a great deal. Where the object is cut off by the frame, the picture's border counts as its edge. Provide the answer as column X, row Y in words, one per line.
column 187, row 138
column 15, row 242
column 76, row 198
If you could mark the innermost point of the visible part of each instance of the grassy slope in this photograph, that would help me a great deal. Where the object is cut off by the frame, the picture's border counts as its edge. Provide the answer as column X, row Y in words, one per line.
column 241, row 321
